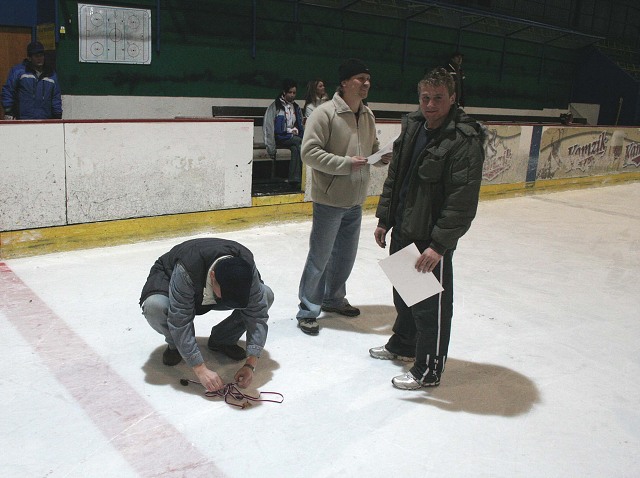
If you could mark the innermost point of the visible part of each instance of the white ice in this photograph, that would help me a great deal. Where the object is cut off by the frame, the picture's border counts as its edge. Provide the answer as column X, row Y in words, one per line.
column 541, row 381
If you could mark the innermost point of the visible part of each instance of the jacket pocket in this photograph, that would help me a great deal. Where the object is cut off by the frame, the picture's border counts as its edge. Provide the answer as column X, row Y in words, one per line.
column 460, row 176
column 431, row 170
column 325, row 181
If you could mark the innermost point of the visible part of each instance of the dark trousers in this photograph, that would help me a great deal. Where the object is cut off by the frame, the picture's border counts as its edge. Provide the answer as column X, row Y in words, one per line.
column 424, row 329
column 295, row 164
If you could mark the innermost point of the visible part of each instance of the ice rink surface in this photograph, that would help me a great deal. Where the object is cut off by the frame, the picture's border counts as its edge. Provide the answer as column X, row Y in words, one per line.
column 541, row 381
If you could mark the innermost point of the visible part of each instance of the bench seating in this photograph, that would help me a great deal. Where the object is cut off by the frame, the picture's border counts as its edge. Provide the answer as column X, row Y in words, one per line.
column 260, row 156
column 248, row 112
column 256, row 114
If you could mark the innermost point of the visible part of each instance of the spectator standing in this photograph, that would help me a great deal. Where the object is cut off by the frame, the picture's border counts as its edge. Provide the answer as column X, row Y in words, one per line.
column 195, row 277
column 283, row 128
column 32, row 90
column 455, row 68
column 340, row 134
column 429, row 198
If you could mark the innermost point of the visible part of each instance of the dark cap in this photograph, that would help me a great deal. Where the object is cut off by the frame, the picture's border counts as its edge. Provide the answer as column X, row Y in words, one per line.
column 34, row 47
column 234, row 275
column 351, row 67
column 457, row 53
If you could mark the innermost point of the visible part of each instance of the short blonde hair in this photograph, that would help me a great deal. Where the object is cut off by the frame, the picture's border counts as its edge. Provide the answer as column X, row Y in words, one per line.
column 438, row 77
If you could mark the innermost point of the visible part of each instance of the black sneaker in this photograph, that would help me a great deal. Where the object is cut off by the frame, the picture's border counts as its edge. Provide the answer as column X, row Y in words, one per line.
column 346, row 309
column 171, row 357
column 309, row 326
column 234, row 352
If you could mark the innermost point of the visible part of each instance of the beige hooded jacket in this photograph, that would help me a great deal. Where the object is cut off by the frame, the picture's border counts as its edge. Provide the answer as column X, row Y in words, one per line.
column 332, row 135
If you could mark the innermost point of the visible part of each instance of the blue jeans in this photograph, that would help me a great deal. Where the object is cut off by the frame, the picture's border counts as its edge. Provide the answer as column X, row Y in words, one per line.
column 295, row 163
column 333, row 245
column 156, row 310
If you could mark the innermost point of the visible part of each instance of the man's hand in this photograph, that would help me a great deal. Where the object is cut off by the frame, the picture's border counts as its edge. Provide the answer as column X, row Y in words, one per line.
column 428, row 260
column 379, row 234
column 244, row 376
column 386, row 158
column 357, row 162
column 210, row 380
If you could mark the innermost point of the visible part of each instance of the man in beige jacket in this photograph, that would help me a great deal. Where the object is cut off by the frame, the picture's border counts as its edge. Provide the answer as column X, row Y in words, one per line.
column 339, row 137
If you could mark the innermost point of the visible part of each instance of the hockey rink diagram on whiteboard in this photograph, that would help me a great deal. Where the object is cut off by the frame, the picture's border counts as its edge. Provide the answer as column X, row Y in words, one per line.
column 114, row 34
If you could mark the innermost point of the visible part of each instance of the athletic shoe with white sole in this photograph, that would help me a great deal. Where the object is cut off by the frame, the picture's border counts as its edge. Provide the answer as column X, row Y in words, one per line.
column 407, row 381
column 383, row 354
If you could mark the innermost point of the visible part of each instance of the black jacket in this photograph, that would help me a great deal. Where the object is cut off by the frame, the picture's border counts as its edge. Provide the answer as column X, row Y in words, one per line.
column 442, row 195
column 196, row 255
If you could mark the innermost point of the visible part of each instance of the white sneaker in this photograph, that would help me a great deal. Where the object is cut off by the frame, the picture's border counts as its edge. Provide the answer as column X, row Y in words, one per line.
column 408, row 382
column 383, row 354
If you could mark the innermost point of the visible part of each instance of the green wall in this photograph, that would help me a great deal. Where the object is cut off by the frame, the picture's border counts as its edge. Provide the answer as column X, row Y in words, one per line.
column 206, row 49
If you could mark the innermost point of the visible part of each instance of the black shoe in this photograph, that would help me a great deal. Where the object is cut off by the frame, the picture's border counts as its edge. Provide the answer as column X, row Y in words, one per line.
column 347, row 309
column 171, row 357
column 234, row 352
column 309, row 326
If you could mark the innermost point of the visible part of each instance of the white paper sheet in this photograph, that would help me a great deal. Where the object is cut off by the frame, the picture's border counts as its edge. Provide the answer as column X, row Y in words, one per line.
column 413, row 286
column 387, row 148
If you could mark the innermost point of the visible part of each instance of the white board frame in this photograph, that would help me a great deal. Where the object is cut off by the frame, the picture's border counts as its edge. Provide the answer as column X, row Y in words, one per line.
column 108, row 34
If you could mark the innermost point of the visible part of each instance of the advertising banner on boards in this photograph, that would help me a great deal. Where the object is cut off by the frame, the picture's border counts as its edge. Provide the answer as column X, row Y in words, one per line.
column 577, row 152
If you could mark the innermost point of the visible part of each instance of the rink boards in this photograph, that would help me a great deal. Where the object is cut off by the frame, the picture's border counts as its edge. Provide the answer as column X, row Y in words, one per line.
column 177, row 174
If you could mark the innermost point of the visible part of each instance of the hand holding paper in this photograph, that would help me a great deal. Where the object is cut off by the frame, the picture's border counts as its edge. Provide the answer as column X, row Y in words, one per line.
column 375, row 157
column 413, row 286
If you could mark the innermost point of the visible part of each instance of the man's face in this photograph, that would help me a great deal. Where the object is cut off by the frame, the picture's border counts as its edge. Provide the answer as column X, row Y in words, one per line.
column 290, row 95
column 37, row 59
column 435, row 104
column 357, row 86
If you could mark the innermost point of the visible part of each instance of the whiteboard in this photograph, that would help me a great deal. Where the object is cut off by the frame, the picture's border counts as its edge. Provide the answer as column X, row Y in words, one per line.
column 114, row 34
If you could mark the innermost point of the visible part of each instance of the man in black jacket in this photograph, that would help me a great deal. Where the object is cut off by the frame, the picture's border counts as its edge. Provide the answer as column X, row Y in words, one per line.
column 429, row 198
column 202, row 275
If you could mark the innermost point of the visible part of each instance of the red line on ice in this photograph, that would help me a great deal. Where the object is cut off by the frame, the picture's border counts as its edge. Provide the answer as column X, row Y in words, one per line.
column 150, row 444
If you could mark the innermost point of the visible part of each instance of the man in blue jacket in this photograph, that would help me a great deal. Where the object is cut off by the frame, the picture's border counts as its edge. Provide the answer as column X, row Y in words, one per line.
column 32, row 90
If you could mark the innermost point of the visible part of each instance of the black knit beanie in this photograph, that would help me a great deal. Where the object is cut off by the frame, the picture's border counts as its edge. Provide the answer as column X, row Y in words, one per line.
column 351, row 67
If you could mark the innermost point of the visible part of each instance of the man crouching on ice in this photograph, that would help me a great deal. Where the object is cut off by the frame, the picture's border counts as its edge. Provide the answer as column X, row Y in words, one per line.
column 195, row 277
